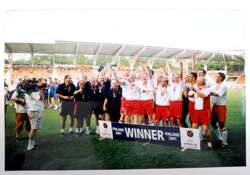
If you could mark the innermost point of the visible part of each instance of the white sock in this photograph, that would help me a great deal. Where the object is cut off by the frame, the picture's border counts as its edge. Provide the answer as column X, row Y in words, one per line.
column 201, row 133
column 62, row 130
column 87, row 131
column 85, row 123
column 77, row 130
column 31, row 145
column 218, row 134
column 33, row 142
column 224, row 135
column 30, row 142
column 97, row 129
column 209, row 144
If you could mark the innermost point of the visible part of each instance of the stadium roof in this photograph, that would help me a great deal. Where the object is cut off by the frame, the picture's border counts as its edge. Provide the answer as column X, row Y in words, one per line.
column 93, row 48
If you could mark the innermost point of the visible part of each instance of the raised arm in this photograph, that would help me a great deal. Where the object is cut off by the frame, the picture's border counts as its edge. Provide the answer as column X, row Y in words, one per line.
column 149, row 73
column 181, row 70
column 165, row 72
column 193, row 63
column 170, row 69
column 114, row 73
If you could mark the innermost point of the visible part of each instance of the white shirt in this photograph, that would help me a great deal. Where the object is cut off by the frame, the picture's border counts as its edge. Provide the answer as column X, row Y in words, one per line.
column 176, row 91
column 209, row 81
column 198, row 101
column 132, row 91
column 33, row 102
column 221, row 90
column 162, row 96
column 12, row 87
column 18, row 107
column 124, row 91
column 147, row 90
column 155, row 82
column 124, row 88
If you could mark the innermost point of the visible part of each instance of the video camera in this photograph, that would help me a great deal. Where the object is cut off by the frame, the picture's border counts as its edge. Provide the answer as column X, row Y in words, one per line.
column 20, row 93
column 28, row 86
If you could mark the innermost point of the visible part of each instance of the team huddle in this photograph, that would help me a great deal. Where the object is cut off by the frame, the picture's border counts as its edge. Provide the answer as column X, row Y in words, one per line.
column 134, row 97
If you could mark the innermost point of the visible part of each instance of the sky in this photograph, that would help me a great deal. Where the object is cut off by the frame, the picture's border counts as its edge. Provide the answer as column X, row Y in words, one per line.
column 205, row 29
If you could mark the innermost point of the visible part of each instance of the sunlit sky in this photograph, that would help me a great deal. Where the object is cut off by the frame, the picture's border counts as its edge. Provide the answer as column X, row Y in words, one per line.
column 206, row 29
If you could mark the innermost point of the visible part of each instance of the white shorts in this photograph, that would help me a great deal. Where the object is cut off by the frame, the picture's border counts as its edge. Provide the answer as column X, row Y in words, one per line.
column 35, row 118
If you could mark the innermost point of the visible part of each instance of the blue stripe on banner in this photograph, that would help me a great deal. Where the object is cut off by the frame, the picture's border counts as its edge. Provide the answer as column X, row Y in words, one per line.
column 153, row 134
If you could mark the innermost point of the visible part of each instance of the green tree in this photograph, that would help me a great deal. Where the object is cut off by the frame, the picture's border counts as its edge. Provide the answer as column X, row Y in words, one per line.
column 63, row 59
column 41, row 59
column 83, row 60
column 124, row 61
column 158, row 63
column 216, row 63
column 103, row 60
column 22, row 61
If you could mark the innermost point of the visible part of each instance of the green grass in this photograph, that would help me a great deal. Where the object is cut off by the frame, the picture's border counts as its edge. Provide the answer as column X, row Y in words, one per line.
column 87, row 152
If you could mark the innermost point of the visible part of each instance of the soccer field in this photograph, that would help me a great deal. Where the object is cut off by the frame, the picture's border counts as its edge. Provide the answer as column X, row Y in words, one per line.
column 54, row 152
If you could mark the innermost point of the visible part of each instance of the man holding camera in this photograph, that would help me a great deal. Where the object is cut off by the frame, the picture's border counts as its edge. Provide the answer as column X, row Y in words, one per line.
column 21, row 112
column 33, row 98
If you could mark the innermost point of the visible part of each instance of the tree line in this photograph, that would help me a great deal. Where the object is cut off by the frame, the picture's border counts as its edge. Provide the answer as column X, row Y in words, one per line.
column 217, row 62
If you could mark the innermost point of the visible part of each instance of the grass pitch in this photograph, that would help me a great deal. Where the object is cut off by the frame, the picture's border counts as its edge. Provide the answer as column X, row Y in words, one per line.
column 87, row 152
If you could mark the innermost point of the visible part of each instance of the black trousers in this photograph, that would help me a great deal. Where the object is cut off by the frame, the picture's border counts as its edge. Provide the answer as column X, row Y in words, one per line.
column 114, row 114
column 185, row 112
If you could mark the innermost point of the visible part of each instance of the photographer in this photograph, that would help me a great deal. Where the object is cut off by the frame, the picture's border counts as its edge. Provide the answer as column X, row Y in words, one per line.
column 33, row 99
column 21, row 112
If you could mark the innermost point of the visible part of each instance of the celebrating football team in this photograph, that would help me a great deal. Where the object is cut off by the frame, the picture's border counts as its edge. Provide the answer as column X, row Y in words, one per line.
column 139, row 97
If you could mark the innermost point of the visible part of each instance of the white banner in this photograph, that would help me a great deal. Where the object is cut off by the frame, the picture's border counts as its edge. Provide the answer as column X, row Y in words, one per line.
column 105, row 128
column 190, row 138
